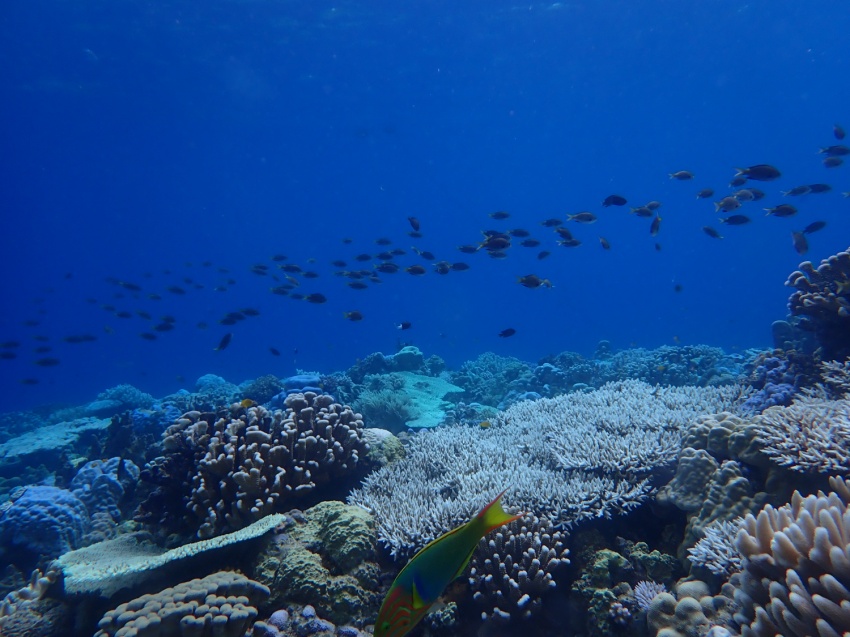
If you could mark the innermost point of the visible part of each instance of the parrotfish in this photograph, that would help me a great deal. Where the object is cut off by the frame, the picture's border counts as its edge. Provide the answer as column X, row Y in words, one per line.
column 433, row 568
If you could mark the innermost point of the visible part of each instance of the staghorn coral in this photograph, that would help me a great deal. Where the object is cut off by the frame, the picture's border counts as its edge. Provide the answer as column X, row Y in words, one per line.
column 451, row 472
column 809, row 436
column 716, row 550
column 513, row 568
column 224, row 471
column 220, row 605
column 645, row 591
column 795, row 579
column 822, row 300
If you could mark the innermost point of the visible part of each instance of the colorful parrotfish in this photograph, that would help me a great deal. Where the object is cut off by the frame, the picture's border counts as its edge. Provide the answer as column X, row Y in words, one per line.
column 433, row 568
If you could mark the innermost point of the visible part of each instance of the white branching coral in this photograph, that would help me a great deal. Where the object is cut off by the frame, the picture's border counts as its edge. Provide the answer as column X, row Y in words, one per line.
column 451, row 472
column 809, row 436
column 716, row 550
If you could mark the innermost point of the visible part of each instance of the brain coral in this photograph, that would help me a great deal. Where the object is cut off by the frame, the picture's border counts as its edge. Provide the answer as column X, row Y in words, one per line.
column 223, row 471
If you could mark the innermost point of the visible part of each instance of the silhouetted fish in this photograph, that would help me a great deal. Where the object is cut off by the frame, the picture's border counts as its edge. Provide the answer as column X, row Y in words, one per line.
column 507, row 332
column 801, row 244
column 614, row 200
column 760, row 172
column 814, row 226
column 224, row 342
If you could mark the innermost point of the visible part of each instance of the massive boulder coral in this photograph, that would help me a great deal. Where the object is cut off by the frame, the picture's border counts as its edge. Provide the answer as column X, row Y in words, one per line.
column 822, row 300
column 222, row 604
column 795, row 579
column 224, row 471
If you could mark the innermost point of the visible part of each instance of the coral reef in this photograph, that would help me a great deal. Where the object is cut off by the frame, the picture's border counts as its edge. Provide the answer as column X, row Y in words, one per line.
column 822, row 301
column 513, row 568
column 795, row 576
column 262, row 389
column 451, row 472
column 222, row 604
column 324, row 557
column 691, row 612
column 224, row 471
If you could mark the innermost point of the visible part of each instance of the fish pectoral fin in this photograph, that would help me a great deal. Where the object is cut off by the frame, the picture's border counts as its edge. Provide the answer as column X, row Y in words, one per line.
column 418, row 602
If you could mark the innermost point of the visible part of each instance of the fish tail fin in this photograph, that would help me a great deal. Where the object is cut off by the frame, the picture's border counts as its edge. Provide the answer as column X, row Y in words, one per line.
column 494, row 516
column 742, row 172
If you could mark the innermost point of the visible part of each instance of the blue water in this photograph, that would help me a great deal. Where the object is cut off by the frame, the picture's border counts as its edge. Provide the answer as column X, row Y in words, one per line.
column 140, row 138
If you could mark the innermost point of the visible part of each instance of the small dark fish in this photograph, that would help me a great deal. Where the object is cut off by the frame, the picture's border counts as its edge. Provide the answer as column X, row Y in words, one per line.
column 167, row 318
column 838, row 131
column 397, row 252
column 260, row 271
column 530, row 243
column 224, row 342
column 655, row 227
column 442, row 267
column 737, row 181
column 582, row 217
column 347, row 240
column 154, row 297
column 124, row 314
column 6, row 355
column 363, row 257
column 499, row 214
column 383, row 241
column 835, row 151
column 643, row 211
column 80, row 338
column 614, row 200
column 144, row 315
column 757, row 194
column 519, row 233
column 414, row 223
column 279, row 257
column 130, row 286
column 496, row 242
column 316, row 297
column 782, row 210
column 564, row 233
column 507, row 333
column 29, row 381
column 357, row 285
column 148, row 336
column 291, row 268
column 604, row 243
column 43, row 349
column 658, row 247
column 727, row 204
column 678, row 287
column 415, row 234
column 40, row 338
column 388, row 268
column 819, row 188
column 711, row 232
column 353, row 315
column 833, row 162
column 174, row 289
column 309, row 274
column 745, row 194
column 653, row 205
column 425, row 254
column 416, row 270
column 281, row 290
column 47, row 362
column 468, row 249
column 460, row 266
column 796, row 191
column 735, row 220
column 682, row 175
column 338, row 263
column 385, row 256
column 404, row 325
column 801, row 244
column 759, row 172
column 550, row 223
column 497, row 254
column 274, row 352
column 705, row 193
column 250, row 311
column 569, row 243
column 533, row 281
column 542, row 255
column 814, row 226
column 164, row 327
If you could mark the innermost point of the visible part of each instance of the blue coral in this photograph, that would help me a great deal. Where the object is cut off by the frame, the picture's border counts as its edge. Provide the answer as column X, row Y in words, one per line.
column 99, row 486
column 45, row 521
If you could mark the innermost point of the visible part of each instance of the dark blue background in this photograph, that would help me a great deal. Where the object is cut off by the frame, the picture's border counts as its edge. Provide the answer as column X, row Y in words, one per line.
column 142, row 137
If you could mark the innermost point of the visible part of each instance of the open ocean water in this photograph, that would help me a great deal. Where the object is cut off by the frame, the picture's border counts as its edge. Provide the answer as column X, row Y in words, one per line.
column 283, row 188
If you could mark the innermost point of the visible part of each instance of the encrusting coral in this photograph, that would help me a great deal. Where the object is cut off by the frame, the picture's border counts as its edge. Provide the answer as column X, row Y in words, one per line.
column 224, row 471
